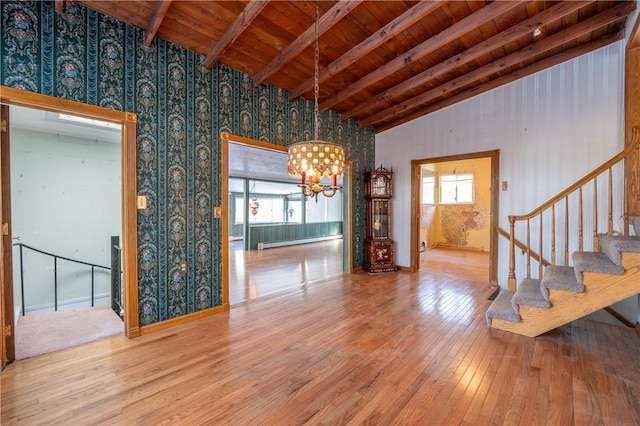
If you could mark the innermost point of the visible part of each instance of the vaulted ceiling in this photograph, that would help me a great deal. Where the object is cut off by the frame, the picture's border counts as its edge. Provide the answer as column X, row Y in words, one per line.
column 382, row 63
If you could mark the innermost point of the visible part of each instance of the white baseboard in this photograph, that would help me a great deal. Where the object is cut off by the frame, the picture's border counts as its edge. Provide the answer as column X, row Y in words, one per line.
column 454, row 246
column 103, row 299
column 262, row 246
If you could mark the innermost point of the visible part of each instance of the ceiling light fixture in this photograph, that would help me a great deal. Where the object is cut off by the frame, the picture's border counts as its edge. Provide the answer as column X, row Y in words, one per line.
column 90, row 121
column 537, row 32
column 312, row 160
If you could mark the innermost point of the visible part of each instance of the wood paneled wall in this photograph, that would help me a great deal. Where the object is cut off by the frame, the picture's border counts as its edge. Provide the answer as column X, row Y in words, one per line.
column 271, row 233
column 632, row 117
column 551, row 128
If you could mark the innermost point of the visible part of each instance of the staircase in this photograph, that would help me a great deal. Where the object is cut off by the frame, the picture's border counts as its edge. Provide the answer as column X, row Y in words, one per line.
column 575, row 275
column 565, row 293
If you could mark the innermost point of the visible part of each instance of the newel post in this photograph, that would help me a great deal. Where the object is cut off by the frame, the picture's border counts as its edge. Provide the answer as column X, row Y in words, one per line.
column 511, row 282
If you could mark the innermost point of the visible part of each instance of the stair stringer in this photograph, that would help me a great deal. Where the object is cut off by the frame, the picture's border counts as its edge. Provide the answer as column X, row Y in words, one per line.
column 601, row 290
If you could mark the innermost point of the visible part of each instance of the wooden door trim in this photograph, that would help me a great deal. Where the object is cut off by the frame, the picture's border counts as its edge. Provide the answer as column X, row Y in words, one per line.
column 10, row 96
column 494, row 208
column 225, row 139
column 632, row 119
column 7, row 317
column 348, row 220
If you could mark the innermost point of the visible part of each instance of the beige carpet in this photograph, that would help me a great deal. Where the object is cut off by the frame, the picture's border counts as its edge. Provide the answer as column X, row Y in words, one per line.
column 46, row 332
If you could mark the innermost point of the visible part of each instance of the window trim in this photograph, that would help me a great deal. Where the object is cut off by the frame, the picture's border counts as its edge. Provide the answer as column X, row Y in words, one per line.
column 434, row 200
column 456, row 203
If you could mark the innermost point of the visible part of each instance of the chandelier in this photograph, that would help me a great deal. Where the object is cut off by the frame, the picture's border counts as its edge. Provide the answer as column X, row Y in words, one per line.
column 314, row 159
column 253, row 204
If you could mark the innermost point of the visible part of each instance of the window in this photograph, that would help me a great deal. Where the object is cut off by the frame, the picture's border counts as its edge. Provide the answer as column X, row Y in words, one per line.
column 239, row 210
column 456, row 189
column 271, row 210
column 294, row 211
column 278, row 202
column 324, row 209
column 428, row 189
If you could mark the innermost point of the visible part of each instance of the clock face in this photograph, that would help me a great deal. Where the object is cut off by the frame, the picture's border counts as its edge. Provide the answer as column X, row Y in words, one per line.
column 380, row 186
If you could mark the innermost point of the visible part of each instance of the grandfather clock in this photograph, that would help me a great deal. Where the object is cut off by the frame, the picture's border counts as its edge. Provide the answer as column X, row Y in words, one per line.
column 378, row 246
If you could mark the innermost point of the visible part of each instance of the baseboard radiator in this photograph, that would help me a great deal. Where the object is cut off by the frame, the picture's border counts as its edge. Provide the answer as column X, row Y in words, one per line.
column 262, row 246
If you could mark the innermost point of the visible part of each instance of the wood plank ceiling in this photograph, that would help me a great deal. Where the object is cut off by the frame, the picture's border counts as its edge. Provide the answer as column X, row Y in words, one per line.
column 382, row 63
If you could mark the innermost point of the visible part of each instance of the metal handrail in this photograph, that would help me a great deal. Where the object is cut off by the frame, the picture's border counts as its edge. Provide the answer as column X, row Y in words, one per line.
column 61, row 257
column 55, row 272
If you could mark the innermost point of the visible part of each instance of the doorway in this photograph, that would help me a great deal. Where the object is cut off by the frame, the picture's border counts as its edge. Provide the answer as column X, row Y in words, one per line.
column 66, row 223
column 454, row 205
column 254, row 175
column 10, row 98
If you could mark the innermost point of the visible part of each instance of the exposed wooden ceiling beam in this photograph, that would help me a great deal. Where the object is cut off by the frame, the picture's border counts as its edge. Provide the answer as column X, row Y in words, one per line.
column 501, row 81
column 375, row 40
column 242, row 21
column 434, row 43
column 154, row 23
column 585, row 27
column 325, row 22
column 525, row 27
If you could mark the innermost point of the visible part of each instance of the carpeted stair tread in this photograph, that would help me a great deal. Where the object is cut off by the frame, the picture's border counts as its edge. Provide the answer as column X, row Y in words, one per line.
column 560, row 278
column 529, row 293
column 614, row 245
column 502, row 308
column 590, row 261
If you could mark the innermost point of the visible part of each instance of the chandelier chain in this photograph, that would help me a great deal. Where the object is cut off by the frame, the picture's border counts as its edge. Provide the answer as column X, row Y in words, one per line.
column 315, row 159
column 316, row 90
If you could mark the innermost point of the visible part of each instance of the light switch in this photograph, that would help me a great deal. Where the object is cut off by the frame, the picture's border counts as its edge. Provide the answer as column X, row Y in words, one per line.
column 504, row 185
column 217, row 212
column 142, row 202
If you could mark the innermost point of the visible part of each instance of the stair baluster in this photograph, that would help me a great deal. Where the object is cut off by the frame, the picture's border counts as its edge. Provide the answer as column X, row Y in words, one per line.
column 595, row 213
column 553, row 234
column 608, row 255
column 566, row 230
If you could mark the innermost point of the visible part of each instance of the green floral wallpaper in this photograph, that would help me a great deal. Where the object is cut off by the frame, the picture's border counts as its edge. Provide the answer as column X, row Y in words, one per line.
column 182, row 107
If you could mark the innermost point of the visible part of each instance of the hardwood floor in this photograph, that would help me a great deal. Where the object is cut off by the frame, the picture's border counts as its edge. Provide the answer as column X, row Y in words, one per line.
column 258, row 273
column 398, row 348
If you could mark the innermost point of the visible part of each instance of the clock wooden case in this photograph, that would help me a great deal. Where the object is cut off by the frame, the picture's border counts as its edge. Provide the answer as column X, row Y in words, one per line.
column 378, row 246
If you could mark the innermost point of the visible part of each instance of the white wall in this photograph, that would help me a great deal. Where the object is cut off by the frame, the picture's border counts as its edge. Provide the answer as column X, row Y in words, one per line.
column 66, row 194
column 551, row 128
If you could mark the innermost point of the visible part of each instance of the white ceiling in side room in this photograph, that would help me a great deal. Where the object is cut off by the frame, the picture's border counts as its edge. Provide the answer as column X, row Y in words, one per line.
column 63, row 124
column 258, row 163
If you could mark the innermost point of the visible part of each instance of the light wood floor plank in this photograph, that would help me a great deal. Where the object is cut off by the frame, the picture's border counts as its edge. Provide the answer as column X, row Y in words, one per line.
column 390, row 349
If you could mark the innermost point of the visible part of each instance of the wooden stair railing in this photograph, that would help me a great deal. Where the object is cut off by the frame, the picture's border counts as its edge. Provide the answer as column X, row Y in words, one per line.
column 522, row 246
column 564, row 203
